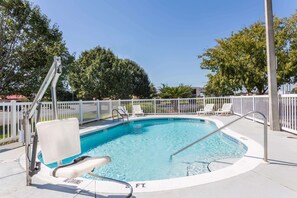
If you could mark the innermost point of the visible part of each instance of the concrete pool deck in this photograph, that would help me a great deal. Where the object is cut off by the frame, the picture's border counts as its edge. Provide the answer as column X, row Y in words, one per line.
column 278, row 178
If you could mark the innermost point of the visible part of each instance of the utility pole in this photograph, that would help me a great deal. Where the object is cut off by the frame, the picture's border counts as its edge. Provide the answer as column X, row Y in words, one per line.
column 271, row 68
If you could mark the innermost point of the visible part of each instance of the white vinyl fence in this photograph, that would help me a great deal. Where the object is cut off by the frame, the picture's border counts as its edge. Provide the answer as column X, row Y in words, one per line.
column 11, row 113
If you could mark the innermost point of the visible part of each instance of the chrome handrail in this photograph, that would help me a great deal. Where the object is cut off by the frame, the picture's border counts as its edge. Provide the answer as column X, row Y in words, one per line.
column 251, row 112
column 115, row 180
column 121, row 114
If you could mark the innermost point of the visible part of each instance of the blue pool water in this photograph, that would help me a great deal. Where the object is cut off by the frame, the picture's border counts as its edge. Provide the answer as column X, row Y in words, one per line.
column 140, row 150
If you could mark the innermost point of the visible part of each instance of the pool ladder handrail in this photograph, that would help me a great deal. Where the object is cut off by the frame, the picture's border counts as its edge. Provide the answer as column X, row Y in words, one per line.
column 251, row 112
column 114, row 180
column 121, row 114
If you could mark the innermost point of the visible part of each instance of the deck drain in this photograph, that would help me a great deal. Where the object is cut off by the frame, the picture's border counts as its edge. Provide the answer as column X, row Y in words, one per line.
column 73, row 181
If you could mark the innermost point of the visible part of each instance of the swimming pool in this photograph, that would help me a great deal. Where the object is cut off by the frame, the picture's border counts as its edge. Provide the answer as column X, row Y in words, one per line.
column 141, row 149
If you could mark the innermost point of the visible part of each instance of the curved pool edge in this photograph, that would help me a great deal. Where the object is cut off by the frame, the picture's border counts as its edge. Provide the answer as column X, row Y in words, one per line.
column 249, row 161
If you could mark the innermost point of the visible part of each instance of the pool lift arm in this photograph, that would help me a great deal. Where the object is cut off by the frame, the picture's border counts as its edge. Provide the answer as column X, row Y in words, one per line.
column 33, row 167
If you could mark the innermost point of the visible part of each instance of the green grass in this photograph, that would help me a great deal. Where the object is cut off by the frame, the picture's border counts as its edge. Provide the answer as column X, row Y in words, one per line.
column 1, row 132
column 2, row 137
column 146, row 106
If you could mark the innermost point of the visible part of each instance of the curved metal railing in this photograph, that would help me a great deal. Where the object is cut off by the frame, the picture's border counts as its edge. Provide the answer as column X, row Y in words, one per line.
column 115, row 180
column 123, row 115
column 251, row 112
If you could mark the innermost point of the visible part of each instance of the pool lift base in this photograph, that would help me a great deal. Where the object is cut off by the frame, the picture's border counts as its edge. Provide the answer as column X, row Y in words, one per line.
column 33, row 167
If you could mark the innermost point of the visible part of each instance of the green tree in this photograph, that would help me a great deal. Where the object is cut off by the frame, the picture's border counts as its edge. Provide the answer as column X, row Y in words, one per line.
column 28, row 44
column 140, row 80
column 181, row 91
column 291, row 25
column 99, row 73
column 239, row 62
column 153, row 91
column 90, row 75
column 219, row 85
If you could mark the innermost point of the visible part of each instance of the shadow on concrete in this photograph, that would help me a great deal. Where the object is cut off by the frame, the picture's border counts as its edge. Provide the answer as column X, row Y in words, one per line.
column 10, row 147
column 65, row 189
column 283, row 163
column 75, row 191
column 98, row 123
column 12, row 175
column 275, row 162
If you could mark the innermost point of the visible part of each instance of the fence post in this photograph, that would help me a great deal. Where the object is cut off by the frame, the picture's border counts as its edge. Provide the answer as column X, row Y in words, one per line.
column 81, row 114
column 155, row 106
column 280, row 108
column 13, row 119
column 178, row 106
column 253, row 108
column 98, row 109
column 110, row 108
column 241, row 105
column 204, row 101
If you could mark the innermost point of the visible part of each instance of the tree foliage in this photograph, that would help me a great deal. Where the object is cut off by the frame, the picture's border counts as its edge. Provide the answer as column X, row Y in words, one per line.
column 153, row 91
column 99, row 73
column 27, row 45
column 239, row 62
column 181, row 91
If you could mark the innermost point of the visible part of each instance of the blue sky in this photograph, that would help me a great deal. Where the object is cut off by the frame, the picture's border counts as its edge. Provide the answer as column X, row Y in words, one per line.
column 162, row 36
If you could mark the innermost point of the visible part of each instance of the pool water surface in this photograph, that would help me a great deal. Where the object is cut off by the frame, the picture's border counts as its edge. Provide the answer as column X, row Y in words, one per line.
column 140, row 150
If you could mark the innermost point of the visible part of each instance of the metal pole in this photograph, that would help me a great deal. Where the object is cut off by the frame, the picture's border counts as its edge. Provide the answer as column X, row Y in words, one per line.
column 34, row 145
column 58, row 71
column 50, row 75
column 265, row 141
column 271, row 69
column 27, row 134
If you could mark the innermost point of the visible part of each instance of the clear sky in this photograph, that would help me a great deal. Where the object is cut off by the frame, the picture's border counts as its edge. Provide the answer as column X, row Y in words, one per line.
column 162, row 36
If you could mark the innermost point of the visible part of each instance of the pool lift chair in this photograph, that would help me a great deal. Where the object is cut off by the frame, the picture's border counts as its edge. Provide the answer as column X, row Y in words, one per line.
column 59, row 139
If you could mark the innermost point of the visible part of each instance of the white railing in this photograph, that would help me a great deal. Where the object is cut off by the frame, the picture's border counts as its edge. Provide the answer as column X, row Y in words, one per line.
column 244, row 104
column 86, row 111
column 288, row 112
column 287, row 109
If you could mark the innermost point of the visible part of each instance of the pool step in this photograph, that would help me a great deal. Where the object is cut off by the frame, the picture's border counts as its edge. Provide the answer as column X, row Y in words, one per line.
column 223, row 163
column 196, row 168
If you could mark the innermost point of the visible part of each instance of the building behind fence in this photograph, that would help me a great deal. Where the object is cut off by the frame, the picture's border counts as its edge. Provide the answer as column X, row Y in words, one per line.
column 11, row 113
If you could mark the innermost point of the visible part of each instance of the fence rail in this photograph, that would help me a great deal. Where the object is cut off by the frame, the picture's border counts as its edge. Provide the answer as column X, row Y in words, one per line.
column 11, row 113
